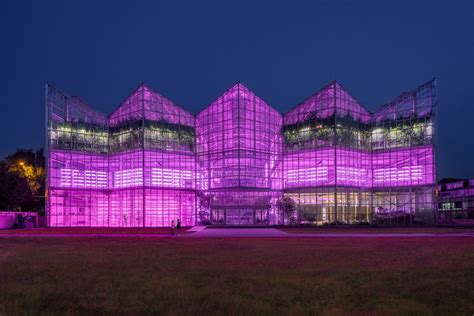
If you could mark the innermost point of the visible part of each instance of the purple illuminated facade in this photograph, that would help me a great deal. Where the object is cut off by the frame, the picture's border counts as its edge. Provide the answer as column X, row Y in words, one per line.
column 241, row 162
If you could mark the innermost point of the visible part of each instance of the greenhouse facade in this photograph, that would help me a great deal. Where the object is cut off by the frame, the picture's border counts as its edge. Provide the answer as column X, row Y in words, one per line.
column 240, row 162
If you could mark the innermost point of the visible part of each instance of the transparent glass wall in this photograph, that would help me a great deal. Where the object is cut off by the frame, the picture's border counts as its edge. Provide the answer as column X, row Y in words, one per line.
column 403, row 153
column 327, row 161
column 78, row 178
column 239, row 160
column 135, row 168
column 345, row 165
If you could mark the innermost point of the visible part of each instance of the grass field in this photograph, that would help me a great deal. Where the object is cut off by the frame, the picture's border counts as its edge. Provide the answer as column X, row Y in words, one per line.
column 100, row 275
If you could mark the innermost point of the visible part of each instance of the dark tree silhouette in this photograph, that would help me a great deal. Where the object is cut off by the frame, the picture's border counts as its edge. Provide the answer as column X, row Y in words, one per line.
column 22, row 181
column 15, row 193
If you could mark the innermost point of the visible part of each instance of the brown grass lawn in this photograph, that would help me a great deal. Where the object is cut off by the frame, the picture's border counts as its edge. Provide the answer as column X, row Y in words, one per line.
column 100, row 275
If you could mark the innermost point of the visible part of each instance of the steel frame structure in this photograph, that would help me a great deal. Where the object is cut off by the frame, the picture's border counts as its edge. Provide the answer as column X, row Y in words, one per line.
column 456, row 202
column 151, row 162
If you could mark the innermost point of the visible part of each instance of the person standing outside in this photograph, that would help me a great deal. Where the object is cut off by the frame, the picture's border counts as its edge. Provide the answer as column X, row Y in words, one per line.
column 178, row 226
column 173, row 226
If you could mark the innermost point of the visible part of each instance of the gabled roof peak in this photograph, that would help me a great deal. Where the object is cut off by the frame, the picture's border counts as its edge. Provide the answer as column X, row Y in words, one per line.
column 239, row 85
column 236, row 91
column 324, row 103
column 145, row 103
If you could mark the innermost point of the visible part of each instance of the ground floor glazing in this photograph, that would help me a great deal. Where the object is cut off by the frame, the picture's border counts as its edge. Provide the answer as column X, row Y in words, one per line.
column 149, row 207
column 323, row 206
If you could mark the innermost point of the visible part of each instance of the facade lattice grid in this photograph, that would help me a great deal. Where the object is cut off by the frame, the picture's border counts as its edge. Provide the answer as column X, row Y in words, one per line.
column 240, row 162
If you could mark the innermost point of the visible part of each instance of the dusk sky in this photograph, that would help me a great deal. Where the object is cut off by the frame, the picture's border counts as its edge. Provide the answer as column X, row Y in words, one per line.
column 192, row 51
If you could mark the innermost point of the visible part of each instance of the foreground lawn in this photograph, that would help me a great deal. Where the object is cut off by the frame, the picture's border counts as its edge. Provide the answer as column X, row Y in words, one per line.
column 100, row 275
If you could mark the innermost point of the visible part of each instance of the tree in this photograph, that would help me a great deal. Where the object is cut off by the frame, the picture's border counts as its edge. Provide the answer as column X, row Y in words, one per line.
column 288, row 206
column 23, row 180
column 31, row 166
column 15, row 193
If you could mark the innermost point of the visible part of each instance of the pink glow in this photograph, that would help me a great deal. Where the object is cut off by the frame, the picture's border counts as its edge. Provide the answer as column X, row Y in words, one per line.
column 171, row 178
column 151, row 162
column 229, row 132
column 83, row 178
column 154, row 106
column 404, row 167
column 323, row 104
column 311, row 175
column 352, row 176
column 319, row 176
column 394, row 168
column 128, row 178
column 316, row 168
column 408, row 174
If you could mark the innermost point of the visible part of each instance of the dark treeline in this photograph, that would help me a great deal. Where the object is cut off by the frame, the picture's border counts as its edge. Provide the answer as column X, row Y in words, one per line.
column 22, row 181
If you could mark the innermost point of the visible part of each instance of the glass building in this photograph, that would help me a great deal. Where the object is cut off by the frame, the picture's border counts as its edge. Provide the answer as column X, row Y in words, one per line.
column 456, row 202
column 241, row 162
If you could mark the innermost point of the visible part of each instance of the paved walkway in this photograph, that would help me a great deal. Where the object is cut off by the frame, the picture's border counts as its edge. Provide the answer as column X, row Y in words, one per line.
column 246, row 233
column 240, row 232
